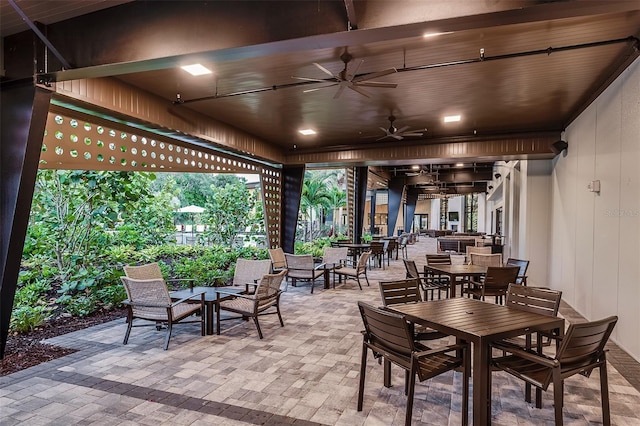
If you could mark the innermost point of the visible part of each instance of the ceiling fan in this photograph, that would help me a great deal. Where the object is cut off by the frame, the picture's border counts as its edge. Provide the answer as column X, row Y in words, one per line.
column 399, row 134
column 350, row 79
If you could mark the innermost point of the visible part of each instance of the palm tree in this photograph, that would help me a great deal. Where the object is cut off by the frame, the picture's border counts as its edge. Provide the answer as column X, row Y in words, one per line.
column 337, row 201
column 315, row 198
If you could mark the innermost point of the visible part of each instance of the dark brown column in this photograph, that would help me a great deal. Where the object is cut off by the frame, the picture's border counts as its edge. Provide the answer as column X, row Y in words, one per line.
column 292, row 180
column 23, row 117
column 396, row 189
column 410, row 210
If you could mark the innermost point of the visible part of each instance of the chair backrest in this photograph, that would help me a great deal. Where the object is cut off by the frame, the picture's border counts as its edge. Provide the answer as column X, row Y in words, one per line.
column 411, row 268
column 522, row 264
column 400, row 292
column 533, row 299
column 278, row 259
column 300, row 265
column 388, row 333
column 249, row 271
column 391, row 245
column 143, row 272
column 477, row 249
column 377, row 247
column 583, row 343
column 499, row 277
column 486, row 259
column 334, row 254
column 147, row 291
column 268, row 288
column 362, row 262
column 438, row 259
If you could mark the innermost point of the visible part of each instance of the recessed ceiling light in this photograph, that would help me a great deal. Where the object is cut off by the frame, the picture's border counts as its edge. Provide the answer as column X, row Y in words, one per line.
column 196, row 69
column 435, row 34
column 307, row 132
column 459, row 164
column 451, row 118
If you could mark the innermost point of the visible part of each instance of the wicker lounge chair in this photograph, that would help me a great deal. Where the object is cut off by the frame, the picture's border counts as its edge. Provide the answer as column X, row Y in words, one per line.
column 266, row 295
column 302, row 267
column 250, row 271
column 149, row 300
column 359, row 270
column 152, row 271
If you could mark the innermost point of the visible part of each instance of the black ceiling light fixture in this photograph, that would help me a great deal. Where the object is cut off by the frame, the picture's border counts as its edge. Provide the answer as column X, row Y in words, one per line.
column 559, row 146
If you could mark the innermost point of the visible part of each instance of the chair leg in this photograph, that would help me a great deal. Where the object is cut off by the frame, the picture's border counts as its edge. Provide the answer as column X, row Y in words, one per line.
column 168, row 335
column 129, row 325
column 363, row 368
column 279, row 316
column 466, row 372
column 366, row 278
column 411, row 385
column 558, row 397
column 358, row 279
column 387, row 373
column 604, row 390
column 255, row 319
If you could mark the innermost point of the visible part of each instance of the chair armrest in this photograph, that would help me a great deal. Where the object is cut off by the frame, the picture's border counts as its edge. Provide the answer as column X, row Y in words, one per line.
column 145, row 305
column 232, row 293
column 516, row 350
column 184, row 299
column 441, row 350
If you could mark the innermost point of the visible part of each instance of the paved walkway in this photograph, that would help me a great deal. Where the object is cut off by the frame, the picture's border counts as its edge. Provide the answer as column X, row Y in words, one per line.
column 303, row 374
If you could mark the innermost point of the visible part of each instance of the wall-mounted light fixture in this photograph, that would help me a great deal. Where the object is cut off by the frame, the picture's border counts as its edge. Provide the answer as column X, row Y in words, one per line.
column 497, row 175
column 559, row 146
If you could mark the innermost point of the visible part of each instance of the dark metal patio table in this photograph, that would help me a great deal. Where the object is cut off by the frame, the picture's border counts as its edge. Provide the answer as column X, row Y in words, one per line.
column 210, row 301
column 458, row 270
column 480, row 323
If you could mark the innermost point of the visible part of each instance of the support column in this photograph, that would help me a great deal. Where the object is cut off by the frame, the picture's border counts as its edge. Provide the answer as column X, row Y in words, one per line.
column 396, row 190
column 372, row 208
column 23, row 117
column 410, row 210
column 444, row 209
column 361, row 176
column 292, row 180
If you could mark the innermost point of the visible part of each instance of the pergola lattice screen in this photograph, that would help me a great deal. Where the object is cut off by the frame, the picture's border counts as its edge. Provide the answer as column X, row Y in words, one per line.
column 351, row 192
column 77, row 144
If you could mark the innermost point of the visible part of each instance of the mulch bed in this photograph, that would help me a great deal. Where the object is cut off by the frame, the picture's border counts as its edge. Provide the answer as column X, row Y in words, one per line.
column 26, row 350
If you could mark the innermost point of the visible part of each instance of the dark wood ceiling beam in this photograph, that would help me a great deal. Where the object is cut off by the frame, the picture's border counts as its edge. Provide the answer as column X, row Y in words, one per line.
column 137, row 57
column 473, row 149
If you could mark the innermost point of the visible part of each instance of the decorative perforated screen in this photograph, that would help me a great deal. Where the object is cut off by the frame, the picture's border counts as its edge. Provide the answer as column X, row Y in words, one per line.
column 74, row 144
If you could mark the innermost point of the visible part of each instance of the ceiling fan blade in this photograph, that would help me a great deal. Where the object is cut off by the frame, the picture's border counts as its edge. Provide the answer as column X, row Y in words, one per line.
column 357, row 89
column 398, row 137
column 412, row 134
column 339, row 92
column 402, row 129
column 384, row 130
column 375, row 75
column 355, row 71
column 318, row 88
column 324, row 70
column 376, row 84
column 319, row 80
column 382, row 138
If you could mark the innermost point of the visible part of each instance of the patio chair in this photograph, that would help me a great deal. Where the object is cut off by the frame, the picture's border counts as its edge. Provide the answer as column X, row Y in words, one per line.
column 402, row 246
column 250, row 271
column 358, row 271
column 334, row 258
column 388, row 336
column 438, row 259
column 266, row 295
column 538, row 300
column 278, row 260
column 402, row 292
column 378, row 250
column 148, row 299
column 523, row 265
column 581, row 351
column 302, row 267
column 495, row 283
column 152, row 271
column 486, row 259
column 427, row 283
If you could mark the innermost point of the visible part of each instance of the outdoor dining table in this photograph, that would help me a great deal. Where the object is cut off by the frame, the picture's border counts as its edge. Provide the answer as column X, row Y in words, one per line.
column 210, row 300
column 356, row 249
column 480, row 323
column 457, row 270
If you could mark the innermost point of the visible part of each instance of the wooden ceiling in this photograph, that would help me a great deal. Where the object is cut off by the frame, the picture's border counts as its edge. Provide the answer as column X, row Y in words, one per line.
column 508, row 68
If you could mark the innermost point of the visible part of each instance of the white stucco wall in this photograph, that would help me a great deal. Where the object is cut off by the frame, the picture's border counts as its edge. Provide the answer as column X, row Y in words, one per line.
column 594, row 255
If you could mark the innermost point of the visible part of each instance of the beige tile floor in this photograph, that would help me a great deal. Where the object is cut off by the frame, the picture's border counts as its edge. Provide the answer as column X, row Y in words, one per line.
column 303, row 374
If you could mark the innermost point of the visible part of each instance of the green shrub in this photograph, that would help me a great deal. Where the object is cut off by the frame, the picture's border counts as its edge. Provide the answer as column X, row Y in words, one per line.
column 28, row 318
column 111, row 296
column 80, row 305
column 31, row 294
